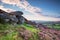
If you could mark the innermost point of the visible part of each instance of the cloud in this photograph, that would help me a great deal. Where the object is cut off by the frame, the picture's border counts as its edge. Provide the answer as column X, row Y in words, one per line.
column 23, row 4
column 41, row 18
column 6, row 9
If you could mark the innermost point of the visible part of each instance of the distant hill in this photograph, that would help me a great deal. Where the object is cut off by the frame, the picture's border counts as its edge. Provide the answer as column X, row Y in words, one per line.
column 46, row 22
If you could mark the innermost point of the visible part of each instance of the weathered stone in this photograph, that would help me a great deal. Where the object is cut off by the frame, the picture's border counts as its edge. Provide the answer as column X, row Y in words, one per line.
column 3, row 17
column 13, row 17
column 21, row 19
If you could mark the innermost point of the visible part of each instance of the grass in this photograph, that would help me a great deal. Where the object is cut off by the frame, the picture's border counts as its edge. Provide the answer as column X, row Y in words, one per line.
column 12, row 31
column 56, row 26
column 9, row 36
column 12, row 35
column 31, row 28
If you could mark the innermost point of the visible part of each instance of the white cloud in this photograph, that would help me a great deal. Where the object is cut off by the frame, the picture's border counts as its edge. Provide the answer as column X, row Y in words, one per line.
column 6, row 9
column 27, row 7
column 23, row 4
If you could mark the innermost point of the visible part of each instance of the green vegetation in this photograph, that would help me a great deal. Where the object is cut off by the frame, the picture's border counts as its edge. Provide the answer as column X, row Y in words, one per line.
column 54, row 26
column 9, row 36
column 9, row 32
column 12, row 32
column 2, row 20
column 31, row 28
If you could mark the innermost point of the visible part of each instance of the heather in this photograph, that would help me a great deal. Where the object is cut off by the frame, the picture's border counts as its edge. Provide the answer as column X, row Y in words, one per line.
column 27, row 32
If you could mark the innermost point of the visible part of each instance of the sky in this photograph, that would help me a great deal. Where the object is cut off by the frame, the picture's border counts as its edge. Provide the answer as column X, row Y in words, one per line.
column 43, row 10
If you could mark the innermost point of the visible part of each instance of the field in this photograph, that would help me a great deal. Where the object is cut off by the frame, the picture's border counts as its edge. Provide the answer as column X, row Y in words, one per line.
column 54, row 26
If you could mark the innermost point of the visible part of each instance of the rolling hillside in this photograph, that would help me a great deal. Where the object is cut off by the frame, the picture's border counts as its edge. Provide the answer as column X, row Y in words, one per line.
column 27, row 32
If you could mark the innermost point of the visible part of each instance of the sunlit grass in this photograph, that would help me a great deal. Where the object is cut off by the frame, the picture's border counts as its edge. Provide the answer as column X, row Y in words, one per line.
column 31, row 28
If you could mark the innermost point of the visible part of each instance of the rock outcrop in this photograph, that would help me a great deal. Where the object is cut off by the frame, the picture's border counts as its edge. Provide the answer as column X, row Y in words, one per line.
column 13, row 17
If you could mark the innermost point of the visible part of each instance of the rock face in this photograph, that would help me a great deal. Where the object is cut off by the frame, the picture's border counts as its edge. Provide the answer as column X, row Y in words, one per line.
column 13, row 17
column 17, row 17
column 3, row 16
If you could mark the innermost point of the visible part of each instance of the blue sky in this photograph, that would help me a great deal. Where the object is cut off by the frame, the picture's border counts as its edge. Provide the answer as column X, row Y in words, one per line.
column 47, row 8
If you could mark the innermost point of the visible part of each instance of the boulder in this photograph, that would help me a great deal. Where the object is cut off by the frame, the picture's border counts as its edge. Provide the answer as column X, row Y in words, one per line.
column 19, row 16
column 12, row 17
column 21, row 19
column 3, row 16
